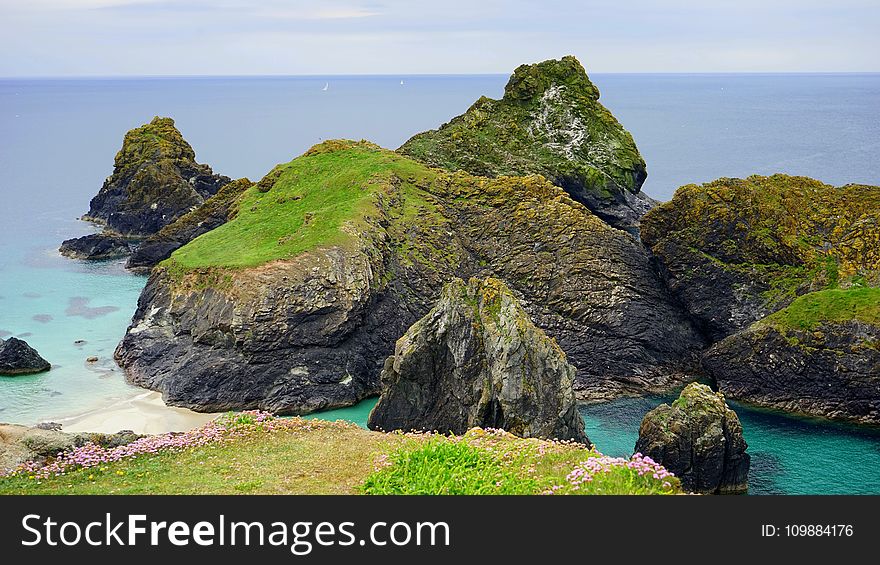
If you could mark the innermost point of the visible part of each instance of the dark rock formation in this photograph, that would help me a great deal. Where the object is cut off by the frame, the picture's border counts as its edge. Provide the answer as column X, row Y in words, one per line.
column 736, row 250
column 822, row 365
column 549, row 122
column 155, row 181
column 699, row 439
column 294, row 305
column 19, row 358
column 97, row 246
column 477, row 360
column 216, row 211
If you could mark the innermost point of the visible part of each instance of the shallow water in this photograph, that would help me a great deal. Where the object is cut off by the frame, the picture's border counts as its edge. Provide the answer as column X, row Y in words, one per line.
column 58, row 139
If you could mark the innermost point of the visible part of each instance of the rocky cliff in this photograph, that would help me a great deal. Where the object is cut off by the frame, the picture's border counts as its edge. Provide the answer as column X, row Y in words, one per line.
column 549, row 122
column 155, row 180
column 477, row 360
column 736, row 250
column 294, row 304
column 216, row 211
column 700, row 440
column 819, row 356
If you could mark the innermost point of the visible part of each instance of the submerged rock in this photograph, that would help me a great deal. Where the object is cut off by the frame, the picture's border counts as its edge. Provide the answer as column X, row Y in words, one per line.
column 216, row 211
column 820, row 357
column 477, row 360
column 549, row 122
column 699, row 439
column 97, row 246
column 736, row 250
column 294, row 304
column 19, row 358
column 155, row 180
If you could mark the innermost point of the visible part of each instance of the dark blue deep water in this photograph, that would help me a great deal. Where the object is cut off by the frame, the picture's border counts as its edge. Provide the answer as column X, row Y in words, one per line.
column 58, row 139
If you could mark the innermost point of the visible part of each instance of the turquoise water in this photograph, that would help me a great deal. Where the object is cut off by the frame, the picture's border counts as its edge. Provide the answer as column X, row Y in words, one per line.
column 58, row 139
column 789, row 455
column 357, row 414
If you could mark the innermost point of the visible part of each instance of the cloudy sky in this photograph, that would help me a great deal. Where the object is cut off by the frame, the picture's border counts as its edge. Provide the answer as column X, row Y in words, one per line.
column 260, row 37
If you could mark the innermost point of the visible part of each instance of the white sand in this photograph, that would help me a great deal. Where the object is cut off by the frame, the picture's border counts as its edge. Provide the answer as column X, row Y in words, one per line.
column 143, row 414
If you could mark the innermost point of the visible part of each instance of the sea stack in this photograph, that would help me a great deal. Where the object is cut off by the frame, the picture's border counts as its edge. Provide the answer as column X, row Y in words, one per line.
column 477, row 360
column 19, row 358
column 549, row 122
column 699, row 439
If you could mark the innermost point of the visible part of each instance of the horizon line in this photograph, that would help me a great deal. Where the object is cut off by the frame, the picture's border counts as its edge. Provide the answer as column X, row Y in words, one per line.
column 426, row 75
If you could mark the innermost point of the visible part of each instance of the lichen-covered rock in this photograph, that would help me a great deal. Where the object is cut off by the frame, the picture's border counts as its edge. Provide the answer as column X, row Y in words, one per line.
column 699, row 439
column 216, row 211
column 155, row 181
column 19, row 358
column 736, row 250
column 21, row 443
column 97, row 247
column 820, row 356
column 477, row 360
column 549, row 122
column 294, row 305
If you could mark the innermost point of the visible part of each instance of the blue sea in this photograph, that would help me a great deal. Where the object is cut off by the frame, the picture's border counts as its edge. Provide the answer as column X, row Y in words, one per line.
column 58, row 139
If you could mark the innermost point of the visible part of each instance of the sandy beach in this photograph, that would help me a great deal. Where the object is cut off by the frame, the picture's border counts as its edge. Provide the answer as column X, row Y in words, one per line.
column 145, row 413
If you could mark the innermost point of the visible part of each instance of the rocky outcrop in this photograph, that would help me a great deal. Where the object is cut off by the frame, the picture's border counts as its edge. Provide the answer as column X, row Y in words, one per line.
column 155, row 181
column 97, row 247
column 216, row 211
column 549, row 122
column 19, row 358
column 294, row 305
column 736, row 250
column 700, row 440
column 19, row 444
column 820, row 357
column 477, row 360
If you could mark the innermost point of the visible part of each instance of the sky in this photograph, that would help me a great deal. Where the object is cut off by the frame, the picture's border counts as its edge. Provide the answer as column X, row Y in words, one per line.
column 291, row 37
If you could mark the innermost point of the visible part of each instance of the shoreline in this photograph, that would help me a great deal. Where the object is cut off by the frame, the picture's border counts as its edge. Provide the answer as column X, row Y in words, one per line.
column 144, row 413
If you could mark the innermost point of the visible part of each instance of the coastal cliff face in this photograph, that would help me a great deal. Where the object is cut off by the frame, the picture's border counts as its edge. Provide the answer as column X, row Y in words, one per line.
column 736, row 250
column 820, row 356
column 700, row 440
column 477, row 360
column 549, row 122
column 349, row 245
column 216, row 211
column 155, row 180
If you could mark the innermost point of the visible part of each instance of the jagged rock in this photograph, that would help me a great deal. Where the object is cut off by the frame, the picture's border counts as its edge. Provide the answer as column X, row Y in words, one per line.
column 216, row 211
column 477, row 360
column 97, row 246
column 155, row 181
column 108, row 441
column 820, row 356
column 549, row 122
column 736, row 250
column 19, row 358
column 699, row 439
column 294, row 305
column 21, row 443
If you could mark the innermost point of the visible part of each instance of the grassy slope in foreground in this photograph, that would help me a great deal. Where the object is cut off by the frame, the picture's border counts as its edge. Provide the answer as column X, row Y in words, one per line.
column 301, row 205
column 255, row 453
column 808, row 312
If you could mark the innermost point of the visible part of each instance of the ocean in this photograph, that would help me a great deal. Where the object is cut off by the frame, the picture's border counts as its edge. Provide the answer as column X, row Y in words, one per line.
column 58, row 139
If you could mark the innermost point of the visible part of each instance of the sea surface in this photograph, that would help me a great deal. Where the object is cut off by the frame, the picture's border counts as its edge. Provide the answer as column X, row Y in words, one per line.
column 58, row 139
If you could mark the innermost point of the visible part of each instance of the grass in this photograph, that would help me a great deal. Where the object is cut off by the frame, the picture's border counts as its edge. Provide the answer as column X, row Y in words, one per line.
column 308, row 206
column 266, row 455
column 811, row 310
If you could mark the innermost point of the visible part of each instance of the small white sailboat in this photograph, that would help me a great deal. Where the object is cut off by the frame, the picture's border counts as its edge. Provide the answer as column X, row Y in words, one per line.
column 326, row 86
column 401, row 83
